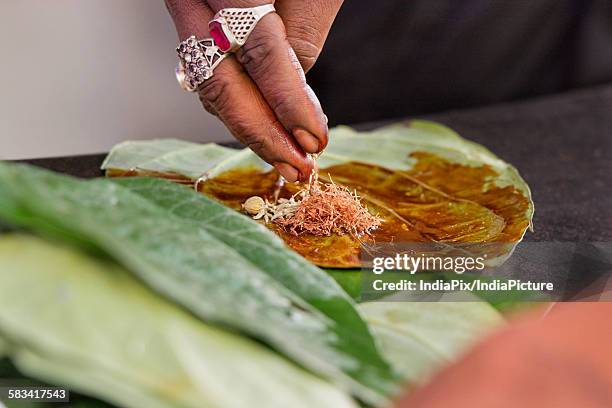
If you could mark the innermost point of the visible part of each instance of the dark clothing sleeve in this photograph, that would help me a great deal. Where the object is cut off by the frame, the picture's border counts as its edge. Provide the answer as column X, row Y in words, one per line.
column 396, row 58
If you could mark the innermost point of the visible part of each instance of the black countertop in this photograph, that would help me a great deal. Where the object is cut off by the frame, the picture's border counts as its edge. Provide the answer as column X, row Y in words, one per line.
column 562, row 146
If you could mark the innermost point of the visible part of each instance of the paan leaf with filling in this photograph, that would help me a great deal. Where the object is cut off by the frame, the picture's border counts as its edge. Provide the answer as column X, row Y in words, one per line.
column 425, row 181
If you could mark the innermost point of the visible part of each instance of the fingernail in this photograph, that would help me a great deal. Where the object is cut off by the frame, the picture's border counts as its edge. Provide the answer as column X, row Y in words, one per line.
column 309, row 143
column 289, row 172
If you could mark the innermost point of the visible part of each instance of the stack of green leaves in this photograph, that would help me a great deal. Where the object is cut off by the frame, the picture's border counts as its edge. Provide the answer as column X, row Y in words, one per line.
column 142, row 292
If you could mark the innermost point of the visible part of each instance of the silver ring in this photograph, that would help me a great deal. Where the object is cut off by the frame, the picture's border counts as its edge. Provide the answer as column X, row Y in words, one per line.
column 197, row 62
column 231, row 27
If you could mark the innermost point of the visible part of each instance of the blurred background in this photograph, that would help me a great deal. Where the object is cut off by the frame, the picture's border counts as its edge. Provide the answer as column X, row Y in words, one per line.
column 411, row 58
column 79, row 76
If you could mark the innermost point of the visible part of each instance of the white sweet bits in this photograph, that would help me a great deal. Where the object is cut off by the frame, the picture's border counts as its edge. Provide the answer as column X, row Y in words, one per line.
column 259, row 208
column 254, row 205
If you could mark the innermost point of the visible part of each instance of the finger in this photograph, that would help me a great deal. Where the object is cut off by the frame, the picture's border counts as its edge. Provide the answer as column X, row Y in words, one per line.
column 274, row 67
column 307, row 24
column 190, row 17
column 233, row 96
column 240, row 105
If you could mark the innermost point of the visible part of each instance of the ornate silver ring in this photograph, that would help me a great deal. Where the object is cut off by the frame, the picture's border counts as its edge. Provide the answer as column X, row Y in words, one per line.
column 231, row 27
column 197, row 62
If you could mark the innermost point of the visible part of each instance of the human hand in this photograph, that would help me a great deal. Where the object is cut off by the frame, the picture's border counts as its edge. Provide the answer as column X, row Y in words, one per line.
column 561, row 360
column 261, row 94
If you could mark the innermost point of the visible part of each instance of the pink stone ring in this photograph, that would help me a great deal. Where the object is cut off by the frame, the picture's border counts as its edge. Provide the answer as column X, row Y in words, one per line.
column 197, row 61
column 231, row 27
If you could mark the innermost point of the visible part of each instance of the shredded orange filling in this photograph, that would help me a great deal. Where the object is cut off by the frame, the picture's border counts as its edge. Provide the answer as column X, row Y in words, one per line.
column 329, row 208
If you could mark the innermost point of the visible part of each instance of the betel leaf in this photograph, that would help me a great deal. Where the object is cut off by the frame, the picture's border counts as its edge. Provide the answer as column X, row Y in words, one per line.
column 177, row 157
column 180, row 259
column 3, row 348
column 86, row 324
column 169, row 156
column 426, row 182
column 76, row 401
column 10, row 375
column 349, row 280
column 255, row 243
column 421, row 337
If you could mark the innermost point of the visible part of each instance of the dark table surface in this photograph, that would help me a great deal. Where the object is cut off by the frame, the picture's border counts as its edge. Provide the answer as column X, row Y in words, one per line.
column 562, row 146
